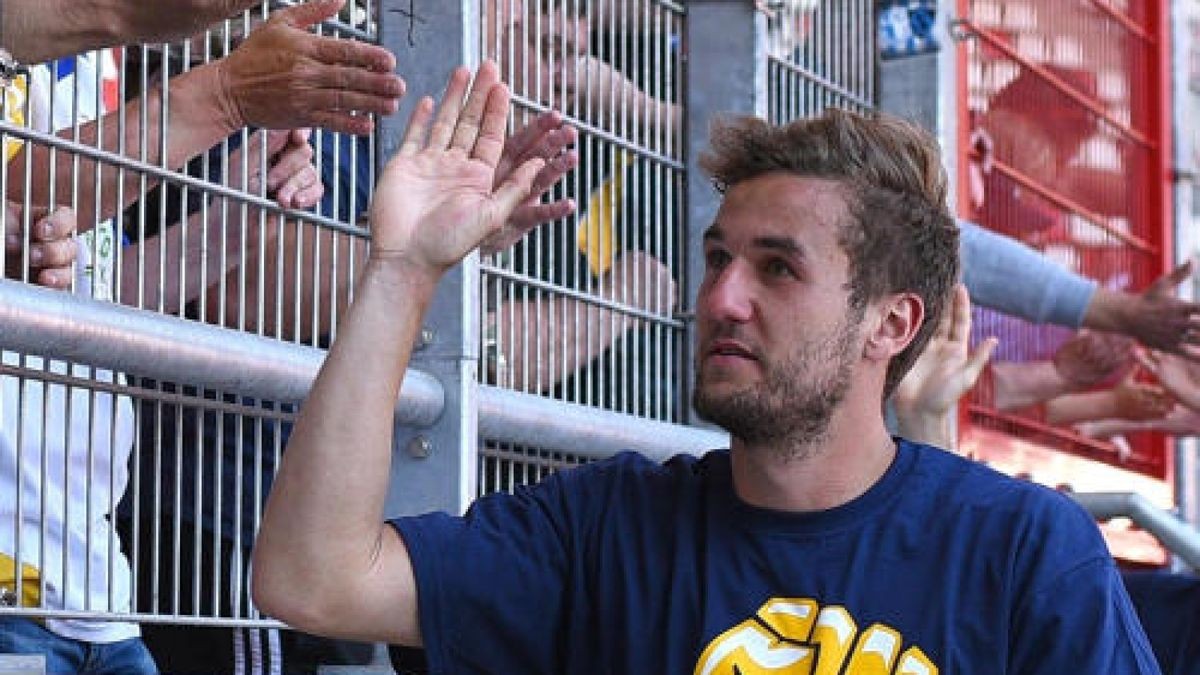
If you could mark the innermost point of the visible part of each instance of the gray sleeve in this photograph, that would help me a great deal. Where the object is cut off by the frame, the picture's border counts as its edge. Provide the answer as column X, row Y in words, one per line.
column 1003, row 274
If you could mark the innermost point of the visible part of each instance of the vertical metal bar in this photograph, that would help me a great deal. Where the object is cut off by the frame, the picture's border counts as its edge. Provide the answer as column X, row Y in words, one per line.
column 446, row 34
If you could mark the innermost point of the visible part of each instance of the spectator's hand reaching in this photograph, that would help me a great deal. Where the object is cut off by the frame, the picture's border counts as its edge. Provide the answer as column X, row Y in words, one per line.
column 1180, row 377
column 292, row 179
column 436, row 200
column 283, row 77
column 1090, row 357
column 926, row 399
column 548, row 139
column 52, row 247
column 1141, row 401
column 1162, row 321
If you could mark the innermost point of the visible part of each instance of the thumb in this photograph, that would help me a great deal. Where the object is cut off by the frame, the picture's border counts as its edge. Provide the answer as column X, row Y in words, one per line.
column 514, row 191
column 306, row 14
column 1172, row 279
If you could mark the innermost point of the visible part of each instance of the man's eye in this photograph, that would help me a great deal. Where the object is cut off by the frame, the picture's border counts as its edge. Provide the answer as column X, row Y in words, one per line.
column 779, row 268
column 716, row 259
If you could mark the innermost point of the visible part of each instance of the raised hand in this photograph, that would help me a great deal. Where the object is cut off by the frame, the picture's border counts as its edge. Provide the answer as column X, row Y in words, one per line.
column 547, row 138
column 925, row 399
column 437, row 198
column 284, row 77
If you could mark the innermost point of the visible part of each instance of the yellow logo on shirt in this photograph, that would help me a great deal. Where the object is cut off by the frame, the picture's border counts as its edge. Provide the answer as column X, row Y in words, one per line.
column 799, row 637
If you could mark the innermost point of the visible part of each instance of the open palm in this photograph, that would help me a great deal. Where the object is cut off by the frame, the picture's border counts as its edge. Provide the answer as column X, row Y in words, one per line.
column 435, row 201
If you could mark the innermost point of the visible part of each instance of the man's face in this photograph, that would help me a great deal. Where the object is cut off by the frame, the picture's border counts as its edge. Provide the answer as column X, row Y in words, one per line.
column 538, row 44
column 777, row 340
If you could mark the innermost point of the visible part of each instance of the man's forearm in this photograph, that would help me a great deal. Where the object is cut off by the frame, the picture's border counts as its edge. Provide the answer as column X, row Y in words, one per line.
column 35, row 31
column 324, row 518
column 195, row 123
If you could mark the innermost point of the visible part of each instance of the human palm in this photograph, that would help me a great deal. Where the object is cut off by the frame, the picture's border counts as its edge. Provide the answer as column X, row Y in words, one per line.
column 435, row 200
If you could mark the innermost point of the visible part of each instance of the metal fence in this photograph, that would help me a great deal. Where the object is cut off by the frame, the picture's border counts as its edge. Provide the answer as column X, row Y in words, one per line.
column 1070, row 98
column 163, row 387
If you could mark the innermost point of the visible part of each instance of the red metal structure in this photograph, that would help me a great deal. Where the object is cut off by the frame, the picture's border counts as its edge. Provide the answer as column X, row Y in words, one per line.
column 1073, row 96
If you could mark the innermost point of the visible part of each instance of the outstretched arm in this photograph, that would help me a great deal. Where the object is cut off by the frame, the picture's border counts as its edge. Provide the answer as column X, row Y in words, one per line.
column 281, row 77
column 41, row 30
column 1154, row 317
column 323, row 529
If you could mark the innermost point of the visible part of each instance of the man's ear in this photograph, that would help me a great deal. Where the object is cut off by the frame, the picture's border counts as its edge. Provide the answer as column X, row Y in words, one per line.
column 898, row 318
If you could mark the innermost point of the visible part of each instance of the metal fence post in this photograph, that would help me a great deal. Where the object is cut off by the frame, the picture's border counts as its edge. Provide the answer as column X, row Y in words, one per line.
column 1185, row 43
column 434, row 468
column 725, row 73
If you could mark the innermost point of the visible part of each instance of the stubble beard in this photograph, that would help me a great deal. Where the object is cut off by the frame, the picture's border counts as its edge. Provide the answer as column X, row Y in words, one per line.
column 789, row 412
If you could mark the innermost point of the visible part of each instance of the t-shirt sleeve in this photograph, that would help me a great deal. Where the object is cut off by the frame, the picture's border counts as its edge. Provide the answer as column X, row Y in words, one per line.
column 1075, row 617
column 491, row 584
column 1004, row 274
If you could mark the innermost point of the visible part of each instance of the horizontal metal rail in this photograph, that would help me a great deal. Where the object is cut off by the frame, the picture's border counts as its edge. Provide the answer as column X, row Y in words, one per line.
column 1067, row 204
column 1177, row 536
column 59, row 325
column 1093, row 106
column 63, row 326
column 821, row 81
column 526, row 419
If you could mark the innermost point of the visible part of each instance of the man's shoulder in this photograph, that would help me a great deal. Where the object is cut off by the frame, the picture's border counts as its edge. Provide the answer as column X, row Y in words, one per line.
column 969, row 484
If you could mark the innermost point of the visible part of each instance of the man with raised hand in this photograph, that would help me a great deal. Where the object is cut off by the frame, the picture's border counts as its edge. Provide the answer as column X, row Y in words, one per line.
column 816, row 544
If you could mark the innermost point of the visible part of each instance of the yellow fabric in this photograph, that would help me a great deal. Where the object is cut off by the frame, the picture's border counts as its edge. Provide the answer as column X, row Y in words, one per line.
column 15, row 96
column 595, row 233
column 30, row 588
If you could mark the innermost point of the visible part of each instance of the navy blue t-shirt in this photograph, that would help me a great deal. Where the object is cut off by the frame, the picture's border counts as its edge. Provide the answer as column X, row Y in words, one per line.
column 626, row 566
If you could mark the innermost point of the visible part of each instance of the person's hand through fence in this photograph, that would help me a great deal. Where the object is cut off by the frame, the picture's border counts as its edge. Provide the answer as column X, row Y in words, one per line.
column 925, row 400
column 283, row 77
column 436, row 199
column 1160, row 320
column 548, row 139
column 1140, row 401
column 51, row 247
column 1179, row 376
column 292, row 178
column 1091, row 357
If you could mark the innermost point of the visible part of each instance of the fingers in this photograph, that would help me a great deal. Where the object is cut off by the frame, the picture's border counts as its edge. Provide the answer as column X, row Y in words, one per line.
column 292, row 161
column 307, row 14
column 301, row 189
column 446, row 119
column 418, row 125
column 530, row 215
column 555, row 168
column 354, row 53
column 489, row 142
column 1168, row 282
column 529, row 135
column 345, row 123
column 515, row 190
column 978, row 360
column 958, row 317
column 478, row 108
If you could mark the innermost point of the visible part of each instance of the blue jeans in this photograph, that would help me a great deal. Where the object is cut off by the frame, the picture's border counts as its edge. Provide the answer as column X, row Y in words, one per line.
column 64, row 655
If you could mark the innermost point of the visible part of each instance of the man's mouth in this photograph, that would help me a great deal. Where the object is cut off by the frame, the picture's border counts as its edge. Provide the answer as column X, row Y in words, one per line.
column 730, row 349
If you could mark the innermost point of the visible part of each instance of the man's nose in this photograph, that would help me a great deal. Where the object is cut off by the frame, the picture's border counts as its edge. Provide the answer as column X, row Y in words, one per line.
column 730, row 295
